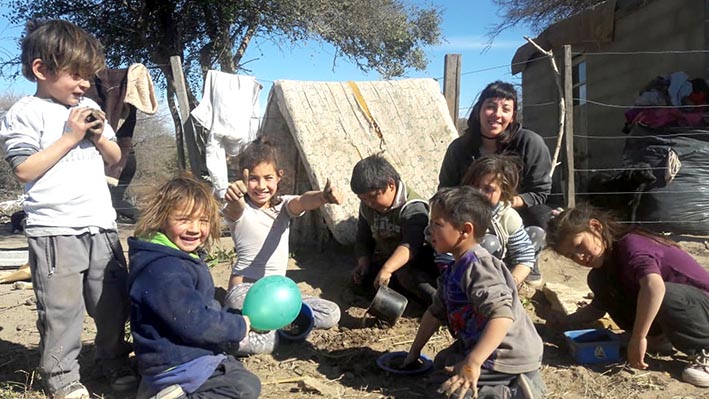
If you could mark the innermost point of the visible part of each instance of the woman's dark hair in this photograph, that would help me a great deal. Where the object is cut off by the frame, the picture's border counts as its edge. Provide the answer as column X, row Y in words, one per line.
column 576, row 220
column 505, row 168
column 373, row 173
column 257, row 152
column 496, row 89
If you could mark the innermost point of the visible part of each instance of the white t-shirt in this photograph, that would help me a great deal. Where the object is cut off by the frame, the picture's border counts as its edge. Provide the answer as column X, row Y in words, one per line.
column 261, row 240
column 72, row 193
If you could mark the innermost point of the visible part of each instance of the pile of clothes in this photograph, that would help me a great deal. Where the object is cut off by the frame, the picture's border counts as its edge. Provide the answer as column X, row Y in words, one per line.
column 670, row 100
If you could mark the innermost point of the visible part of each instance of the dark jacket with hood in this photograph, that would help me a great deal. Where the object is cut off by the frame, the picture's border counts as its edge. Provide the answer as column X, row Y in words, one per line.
column 174, row 317
column 535, row 181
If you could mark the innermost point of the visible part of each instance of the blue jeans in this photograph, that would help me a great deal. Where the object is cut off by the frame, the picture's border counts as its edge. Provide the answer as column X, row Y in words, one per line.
column 230, row 380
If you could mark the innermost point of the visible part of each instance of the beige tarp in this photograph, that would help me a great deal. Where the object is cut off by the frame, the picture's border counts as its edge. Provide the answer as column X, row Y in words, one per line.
column 322, row 129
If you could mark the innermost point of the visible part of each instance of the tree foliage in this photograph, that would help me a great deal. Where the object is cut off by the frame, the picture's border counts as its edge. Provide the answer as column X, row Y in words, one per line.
column 9, row 186
column 536, row 14
column 385, row 36
column 156, row 156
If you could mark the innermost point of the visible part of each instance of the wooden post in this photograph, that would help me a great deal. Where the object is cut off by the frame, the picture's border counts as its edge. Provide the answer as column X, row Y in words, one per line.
column 569, row 127
column 706, row 37
column 184, row 104
column 451, row 84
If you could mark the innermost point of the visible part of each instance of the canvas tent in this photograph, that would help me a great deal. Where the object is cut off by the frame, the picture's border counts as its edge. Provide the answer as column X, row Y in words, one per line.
column 321, row 129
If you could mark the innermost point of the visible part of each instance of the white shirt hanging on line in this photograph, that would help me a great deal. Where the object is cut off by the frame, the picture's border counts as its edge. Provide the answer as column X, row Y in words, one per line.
column 230, row 111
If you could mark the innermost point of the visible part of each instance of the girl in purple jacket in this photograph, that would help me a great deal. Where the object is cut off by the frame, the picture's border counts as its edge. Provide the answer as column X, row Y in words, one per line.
column 648, row 285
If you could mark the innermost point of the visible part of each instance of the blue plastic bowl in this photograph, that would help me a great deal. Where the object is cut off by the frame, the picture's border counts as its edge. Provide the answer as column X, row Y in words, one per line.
column 593, row 346
column 383, row 363
column 303, row 324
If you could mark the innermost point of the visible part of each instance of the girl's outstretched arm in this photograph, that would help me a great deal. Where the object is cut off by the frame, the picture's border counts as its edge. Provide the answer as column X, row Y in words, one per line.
column 652, row 291
column 315, row 199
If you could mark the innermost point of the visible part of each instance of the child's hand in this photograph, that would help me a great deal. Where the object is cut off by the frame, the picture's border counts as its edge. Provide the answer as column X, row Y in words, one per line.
column 237, row 191
column 556, row 321
column 331, row 194
column 359, row 272
column 637, row 347
column 412, row 359
column 76, row 126
column 465, row 377
column 95, row 119
column 235, row 197
column 383, row 278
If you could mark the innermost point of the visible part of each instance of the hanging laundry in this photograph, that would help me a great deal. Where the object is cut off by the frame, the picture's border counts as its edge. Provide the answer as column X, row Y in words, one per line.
column 230, row 111
column 120, row 92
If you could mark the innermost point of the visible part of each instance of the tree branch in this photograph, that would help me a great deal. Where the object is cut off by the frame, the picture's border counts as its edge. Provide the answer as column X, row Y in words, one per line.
column 244, row 44
column 562, row 102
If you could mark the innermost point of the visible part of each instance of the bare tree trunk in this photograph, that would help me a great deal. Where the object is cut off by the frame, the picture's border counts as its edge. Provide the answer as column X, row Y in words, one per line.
column 244, row 43
column 179, row 134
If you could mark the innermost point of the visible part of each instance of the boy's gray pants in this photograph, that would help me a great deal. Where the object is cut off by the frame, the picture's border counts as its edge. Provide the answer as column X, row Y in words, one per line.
column 71, row 274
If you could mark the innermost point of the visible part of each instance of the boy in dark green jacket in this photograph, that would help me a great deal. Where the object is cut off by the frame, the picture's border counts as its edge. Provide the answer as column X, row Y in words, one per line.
column 391, row 231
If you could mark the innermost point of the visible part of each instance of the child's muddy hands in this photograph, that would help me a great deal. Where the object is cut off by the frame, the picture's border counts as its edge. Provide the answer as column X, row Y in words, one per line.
column 95, row 120
column 383, row 278
column 236, row 192
column 556, row 321
column 76, row 126
column 463, row 383
column 361, row 270
column 331, row 194
column 411, row 362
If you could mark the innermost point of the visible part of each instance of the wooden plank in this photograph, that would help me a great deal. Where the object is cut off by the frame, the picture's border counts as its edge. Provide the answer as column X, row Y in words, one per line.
column 569, row 128
column 187, row 127
column 706, row 37
column 451, row 84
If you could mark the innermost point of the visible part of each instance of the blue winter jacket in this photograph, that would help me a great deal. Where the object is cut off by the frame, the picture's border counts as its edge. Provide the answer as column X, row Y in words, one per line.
column 174, row 317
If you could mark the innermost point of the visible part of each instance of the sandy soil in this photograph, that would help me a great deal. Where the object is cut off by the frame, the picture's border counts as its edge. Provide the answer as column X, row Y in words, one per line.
column 341, row 362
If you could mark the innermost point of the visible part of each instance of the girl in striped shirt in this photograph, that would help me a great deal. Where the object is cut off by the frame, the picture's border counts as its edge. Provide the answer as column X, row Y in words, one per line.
column 497, row 177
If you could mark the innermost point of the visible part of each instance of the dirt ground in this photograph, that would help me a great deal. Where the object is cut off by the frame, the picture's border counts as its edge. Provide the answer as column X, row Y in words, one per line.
column 341, row 362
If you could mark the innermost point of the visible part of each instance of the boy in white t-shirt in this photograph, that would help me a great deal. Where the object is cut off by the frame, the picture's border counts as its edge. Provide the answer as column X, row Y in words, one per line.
column 56, row 142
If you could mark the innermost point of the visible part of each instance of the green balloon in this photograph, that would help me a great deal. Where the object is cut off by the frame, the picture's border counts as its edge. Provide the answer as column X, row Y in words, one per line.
column 272, row 302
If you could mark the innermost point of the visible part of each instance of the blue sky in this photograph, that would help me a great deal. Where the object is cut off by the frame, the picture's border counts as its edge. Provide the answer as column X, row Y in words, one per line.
column 465, row 24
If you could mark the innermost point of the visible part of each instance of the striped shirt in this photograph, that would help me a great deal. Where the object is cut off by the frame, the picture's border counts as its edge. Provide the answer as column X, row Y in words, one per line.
column 517, row 247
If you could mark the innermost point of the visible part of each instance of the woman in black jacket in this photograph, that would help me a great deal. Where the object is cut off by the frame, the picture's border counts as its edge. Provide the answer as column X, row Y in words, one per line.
column 493, row 129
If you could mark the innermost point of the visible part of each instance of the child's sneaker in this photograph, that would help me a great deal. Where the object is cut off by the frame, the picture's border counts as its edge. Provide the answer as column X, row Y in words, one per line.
column 697, row 373
column 74, row 390
column 170, row 392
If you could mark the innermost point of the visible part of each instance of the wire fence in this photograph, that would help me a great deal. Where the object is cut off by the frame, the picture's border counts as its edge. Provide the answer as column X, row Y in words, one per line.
column 620, row 150
column 621, row 139
column 586, row 173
